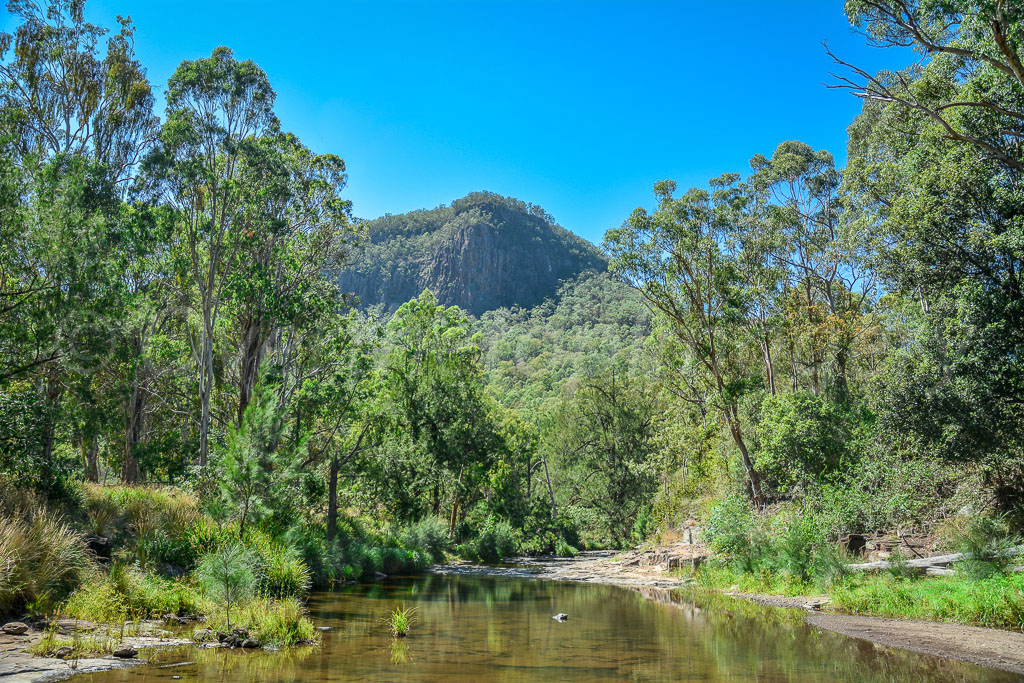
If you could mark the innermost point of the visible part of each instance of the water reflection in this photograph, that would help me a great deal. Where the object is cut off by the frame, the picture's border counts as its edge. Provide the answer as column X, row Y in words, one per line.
column 500, row 629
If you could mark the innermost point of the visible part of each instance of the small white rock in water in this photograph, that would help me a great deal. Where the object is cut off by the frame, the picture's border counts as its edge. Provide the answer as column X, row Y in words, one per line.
column 561, row 616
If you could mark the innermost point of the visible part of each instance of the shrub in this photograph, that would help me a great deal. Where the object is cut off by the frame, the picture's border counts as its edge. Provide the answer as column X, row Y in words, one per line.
column 42, row 557
column 496, row 540
column 563, row 549
column 986, row 544
column 804, row 438
column 732, row 531
column 279, row 568
column 430, row 534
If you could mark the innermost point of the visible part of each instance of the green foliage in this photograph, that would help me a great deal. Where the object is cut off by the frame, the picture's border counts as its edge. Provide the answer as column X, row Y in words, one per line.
column 430, row 534
column 495, row 541
column 269, row 621
column 987, row 544
column 227, row 576
column 804, row 441
column 401, row 620
column 127, row 593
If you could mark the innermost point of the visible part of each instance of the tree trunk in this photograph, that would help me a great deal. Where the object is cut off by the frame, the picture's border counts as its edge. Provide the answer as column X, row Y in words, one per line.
column 133, row 435
column 551, row 493
column 732, row 417
column 332, row 499
column 90, row 457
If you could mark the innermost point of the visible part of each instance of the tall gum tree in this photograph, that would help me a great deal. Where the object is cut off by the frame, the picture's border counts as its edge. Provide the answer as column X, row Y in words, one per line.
column 216, row 107
column 679, row 260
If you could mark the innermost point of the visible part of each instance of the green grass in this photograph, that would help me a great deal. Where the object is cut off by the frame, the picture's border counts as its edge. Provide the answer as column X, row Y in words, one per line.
column 127, row 593
column 997, row 601
column 269, row 621
column 400, row 621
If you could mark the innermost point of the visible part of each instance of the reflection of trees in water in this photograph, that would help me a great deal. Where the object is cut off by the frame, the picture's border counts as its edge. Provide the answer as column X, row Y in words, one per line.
column 474, row 628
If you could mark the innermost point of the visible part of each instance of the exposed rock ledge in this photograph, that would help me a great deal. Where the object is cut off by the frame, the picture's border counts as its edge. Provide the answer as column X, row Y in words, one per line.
column 17, row 665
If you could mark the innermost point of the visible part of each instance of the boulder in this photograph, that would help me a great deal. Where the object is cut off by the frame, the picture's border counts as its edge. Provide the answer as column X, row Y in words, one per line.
column 15, row 628
column 63, row 652
column 249, row 644
column 125, row 652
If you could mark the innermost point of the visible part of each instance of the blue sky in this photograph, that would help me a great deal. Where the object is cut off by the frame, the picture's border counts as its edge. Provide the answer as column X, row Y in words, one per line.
column 577, row 106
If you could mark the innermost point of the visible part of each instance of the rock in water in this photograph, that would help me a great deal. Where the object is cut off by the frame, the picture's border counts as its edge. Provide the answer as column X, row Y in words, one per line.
column 561, row 616
column 126, row 652
column 15, row 628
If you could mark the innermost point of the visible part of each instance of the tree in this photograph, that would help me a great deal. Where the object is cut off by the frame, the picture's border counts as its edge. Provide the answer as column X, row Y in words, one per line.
column 603, row 445
column 679, row 259
column 217, row 109
column 227, row 575
column 935, row 172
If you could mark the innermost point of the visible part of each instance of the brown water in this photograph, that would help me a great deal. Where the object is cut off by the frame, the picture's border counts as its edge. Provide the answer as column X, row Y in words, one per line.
column 475, row 628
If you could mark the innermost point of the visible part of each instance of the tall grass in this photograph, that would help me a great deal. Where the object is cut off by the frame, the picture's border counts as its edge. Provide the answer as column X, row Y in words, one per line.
column 401, row 620
column 128, row 593
column 41, row 559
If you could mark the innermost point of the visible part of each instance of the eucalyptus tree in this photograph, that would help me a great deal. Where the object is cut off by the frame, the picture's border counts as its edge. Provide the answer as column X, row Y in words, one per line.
column 72, row 98
column 935, row 171
column 679, row 259
column 818, row 254
column 293, row 228
column 217, row 110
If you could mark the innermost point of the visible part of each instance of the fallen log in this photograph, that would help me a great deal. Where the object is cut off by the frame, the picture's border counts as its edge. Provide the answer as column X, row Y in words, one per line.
column 925, row 563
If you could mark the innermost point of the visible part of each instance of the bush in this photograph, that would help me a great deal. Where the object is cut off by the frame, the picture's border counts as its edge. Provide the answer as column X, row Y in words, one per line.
column 986, row 544
column 804, row 439
column 42, row 560
column 563, row 549
column 279, row 568
column 732, row 531
column 430, row 534
column 496, row 540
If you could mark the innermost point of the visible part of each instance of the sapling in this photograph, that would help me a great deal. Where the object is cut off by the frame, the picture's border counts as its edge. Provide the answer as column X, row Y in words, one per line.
column 227, row 575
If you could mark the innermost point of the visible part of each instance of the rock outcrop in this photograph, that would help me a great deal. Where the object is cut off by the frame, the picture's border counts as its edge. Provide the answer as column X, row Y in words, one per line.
column 481, row 253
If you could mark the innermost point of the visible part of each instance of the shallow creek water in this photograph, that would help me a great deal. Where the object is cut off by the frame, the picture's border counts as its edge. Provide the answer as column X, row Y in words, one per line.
column 485, row 628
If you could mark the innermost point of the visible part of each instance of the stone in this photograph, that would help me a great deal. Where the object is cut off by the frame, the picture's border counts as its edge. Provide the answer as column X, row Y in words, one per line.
column 241, row 633
column 125, row 652
column 561, row 616
column 15, row 628
column 380, row 575
column 324, row 628
column 250, row 644
column 63, row 652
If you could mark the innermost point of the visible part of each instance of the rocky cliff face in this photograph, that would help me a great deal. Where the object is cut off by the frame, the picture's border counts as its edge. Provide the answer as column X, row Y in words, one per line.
column 481, row 253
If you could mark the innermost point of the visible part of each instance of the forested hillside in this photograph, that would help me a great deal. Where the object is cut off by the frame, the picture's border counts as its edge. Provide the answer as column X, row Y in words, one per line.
column 483, row 252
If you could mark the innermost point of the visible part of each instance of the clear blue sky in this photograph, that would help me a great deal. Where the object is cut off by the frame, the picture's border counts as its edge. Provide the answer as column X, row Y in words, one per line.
column 577, row 106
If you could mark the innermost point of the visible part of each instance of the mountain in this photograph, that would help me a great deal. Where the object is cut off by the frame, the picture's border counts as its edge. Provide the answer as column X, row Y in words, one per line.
column 482, row 252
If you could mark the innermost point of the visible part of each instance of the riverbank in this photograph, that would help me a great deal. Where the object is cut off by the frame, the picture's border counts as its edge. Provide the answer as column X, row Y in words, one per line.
column 656, row 572
column 19, row 665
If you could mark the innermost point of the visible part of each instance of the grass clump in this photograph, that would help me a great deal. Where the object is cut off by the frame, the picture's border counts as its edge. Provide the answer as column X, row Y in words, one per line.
column 41, row 559
column 269, row 621
column 401, row 620
column 987, row 544
column 126, row 592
